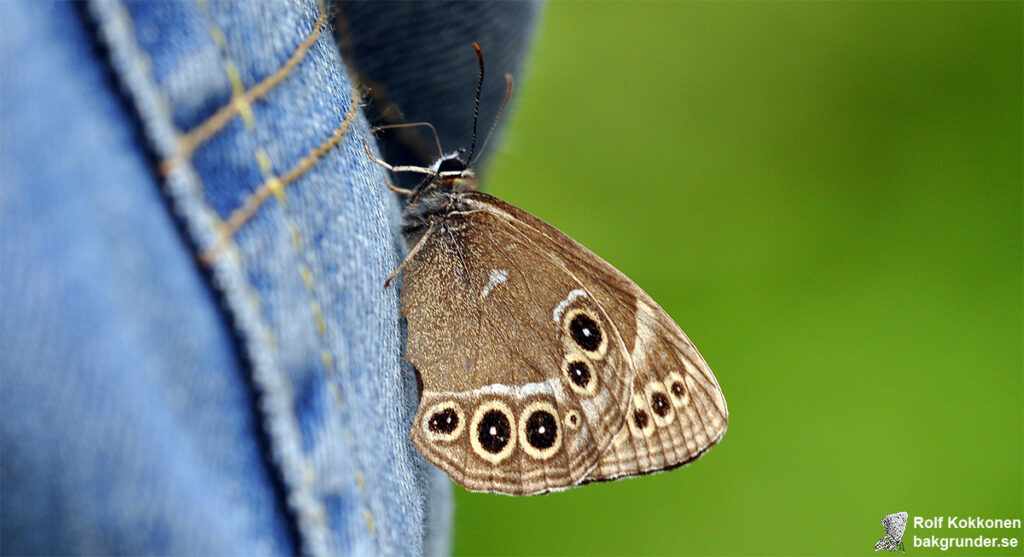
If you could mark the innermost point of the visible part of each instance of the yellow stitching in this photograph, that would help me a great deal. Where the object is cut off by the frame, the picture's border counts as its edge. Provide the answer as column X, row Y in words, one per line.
column 218, row 36
column 276, row 187
column 144, row 63
column 318, row 513
column 188, row 143
column 213, row 219
column 263, row 160
column 336, row 392
column 296, row 239
column 234, row 77
column 238, row 94
column 369, row 522
column 273, row 184
column 307, row 276
column 318, row 314
column 241, row 215
column 360, row 480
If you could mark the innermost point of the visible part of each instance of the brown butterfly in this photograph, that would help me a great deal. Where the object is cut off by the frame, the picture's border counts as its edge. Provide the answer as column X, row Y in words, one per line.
column 542, row 366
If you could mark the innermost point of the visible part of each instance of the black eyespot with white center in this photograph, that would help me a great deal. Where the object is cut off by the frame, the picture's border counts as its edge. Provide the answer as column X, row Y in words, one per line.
column 494, row 431
column 541, row 429
column 579, row 374
column 444, row 421
column 585, row 332
column 678, row 391
column 660, row 404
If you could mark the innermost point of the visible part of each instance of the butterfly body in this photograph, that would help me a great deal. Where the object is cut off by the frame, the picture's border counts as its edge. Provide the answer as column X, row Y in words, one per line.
column 541, row 365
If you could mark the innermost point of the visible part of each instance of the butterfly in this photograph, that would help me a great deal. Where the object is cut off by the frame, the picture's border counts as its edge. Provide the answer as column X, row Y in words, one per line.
column 540, row 365
column 895, row 525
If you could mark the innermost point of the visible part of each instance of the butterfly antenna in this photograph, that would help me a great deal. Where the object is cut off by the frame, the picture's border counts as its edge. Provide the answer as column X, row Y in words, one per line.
column 508, row 95
column 476, row 106
column 437, row 139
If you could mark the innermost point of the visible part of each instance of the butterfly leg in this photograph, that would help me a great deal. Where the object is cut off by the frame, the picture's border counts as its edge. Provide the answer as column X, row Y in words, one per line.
column 411, row 253
column 402, row 191
column 392, row 168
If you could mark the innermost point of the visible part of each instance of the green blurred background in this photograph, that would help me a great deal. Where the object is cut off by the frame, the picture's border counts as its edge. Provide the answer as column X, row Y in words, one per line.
column 827, row 198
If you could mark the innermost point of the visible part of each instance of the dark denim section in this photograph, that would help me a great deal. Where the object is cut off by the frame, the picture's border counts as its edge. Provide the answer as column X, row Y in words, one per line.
column 416, row 59
column 152, row 403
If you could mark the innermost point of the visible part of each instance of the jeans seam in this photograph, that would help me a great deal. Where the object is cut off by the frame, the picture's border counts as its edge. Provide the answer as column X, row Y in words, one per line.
column 262, row 158
column 276, row 185
column 241, row 104
column 185, row 189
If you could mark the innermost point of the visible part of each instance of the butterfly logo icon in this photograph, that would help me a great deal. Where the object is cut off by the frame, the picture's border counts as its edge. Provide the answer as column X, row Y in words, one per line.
column 895, row 524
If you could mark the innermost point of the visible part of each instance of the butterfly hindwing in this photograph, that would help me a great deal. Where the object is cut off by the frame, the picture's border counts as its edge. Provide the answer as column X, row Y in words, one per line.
column 677, row 411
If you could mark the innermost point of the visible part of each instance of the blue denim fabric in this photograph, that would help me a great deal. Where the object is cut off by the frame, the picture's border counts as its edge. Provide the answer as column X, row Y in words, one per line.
column 153, row 404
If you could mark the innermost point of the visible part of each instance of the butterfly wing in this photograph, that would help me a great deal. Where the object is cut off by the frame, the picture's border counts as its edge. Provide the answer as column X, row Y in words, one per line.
column 895, row 524
column 885, row 544
column 521, row 339
column 677, row 411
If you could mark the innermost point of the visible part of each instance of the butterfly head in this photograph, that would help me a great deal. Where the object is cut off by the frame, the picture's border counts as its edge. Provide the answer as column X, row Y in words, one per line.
column 451, row 174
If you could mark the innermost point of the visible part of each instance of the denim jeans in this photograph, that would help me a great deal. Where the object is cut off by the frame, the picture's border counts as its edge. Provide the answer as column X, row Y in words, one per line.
column 197, row 355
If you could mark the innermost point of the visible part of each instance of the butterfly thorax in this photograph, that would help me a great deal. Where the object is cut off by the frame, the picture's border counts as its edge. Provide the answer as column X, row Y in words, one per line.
column 438, row 195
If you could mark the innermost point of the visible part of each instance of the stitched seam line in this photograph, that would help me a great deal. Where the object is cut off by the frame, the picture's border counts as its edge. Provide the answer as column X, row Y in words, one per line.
column 275, row 185
column 316, row 512
column 271, row 186
column 135, row 64
column 188, row 143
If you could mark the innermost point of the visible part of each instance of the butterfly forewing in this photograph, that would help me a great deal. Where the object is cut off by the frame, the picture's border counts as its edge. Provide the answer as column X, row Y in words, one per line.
column 895, row 524
column 519, row 345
